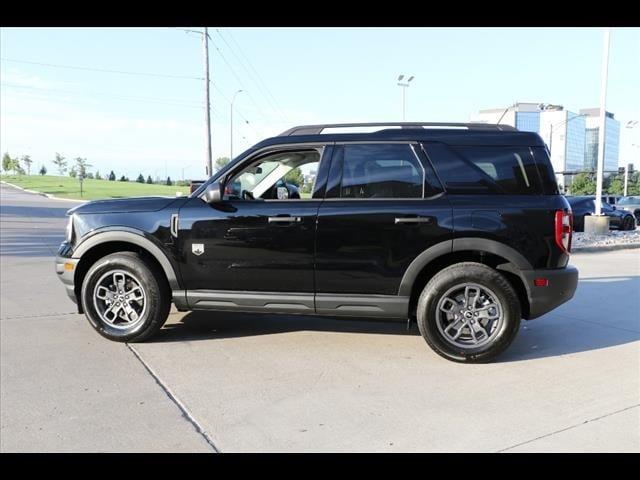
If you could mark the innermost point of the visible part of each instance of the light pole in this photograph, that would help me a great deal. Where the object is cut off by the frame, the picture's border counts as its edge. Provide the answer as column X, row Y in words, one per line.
column 558, row 124
column 631, row 124
column 404, row 86
column 231, row 126
column 603, row 118
column 183, row 169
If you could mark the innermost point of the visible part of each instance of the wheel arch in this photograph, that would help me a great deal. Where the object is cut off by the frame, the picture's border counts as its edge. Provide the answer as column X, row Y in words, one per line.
column 485, row 251
column 112, row 241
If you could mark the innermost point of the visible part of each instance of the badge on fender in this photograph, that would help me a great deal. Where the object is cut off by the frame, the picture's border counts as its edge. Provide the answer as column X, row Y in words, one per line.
column 197, row 248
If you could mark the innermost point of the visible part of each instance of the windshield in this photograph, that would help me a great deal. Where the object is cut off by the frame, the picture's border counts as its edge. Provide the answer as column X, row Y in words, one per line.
column 629, row 200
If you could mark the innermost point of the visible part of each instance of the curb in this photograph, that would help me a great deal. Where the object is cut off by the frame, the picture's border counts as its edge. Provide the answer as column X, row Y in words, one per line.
column 604, row 248
column 53, row 197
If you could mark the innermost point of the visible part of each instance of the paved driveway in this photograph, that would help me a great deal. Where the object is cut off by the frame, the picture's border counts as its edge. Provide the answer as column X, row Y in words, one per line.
column 237, row 382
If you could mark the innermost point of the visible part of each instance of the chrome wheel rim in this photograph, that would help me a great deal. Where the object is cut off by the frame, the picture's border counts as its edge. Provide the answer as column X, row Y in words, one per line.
column 120, row 299
column 469, row 316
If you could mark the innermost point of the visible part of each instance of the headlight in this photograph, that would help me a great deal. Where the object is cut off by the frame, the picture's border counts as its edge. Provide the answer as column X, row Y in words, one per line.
column 69, row 232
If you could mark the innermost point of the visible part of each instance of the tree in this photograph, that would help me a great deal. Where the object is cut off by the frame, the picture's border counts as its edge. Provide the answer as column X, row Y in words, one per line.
column 26, row 159
column 140, row 179
column 7, row 162
column 90, row 175
column 614, row 184
column 295, row 176
column 17, row 168
column 61, row 163
column 221, row 162
column 123, row 179
column 43, row 170
column 82, row 165
column 169, row 182
column 149, row 180
column 73, row 172
column 112, row 176
column 98, row 176
column 583, row 184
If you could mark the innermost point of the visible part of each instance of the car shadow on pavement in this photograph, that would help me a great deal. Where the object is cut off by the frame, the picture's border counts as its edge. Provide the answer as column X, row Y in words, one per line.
column 596, row 318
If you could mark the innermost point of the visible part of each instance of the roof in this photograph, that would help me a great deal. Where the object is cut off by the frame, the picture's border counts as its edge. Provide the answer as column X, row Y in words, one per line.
column 450, row 133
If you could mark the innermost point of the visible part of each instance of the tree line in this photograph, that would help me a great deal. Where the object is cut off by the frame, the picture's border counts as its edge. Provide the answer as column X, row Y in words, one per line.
column 79, row 166
column 585, row 184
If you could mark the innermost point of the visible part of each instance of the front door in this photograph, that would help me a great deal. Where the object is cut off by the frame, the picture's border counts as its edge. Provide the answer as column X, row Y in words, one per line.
column 260, row 238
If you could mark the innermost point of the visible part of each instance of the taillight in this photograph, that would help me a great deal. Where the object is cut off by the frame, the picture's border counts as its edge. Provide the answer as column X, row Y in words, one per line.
column 563, row 230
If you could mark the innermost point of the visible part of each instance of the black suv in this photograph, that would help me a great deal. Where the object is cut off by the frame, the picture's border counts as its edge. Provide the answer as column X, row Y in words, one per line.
column 458, row 226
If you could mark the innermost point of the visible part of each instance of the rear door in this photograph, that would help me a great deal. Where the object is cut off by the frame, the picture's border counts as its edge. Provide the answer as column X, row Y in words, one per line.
column 383, row 207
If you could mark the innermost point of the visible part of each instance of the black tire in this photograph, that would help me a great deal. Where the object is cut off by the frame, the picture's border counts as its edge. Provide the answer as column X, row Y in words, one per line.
column 157, row 299
column 629, row 223
column 484, row 276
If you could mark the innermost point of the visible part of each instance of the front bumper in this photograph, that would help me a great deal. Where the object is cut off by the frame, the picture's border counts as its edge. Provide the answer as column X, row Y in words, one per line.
column 562, row 284
column 66, row 269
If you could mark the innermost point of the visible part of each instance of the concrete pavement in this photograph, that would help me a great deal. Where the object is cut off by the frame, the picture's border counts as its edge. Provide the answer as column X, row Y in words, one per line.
column 240, row 382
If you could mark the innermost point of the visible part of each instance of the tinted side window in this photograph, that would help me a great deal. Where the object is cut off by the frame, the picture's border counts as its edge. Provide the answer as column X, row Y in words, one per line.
column 458, row 175
column 485, row 169
column 381, row 171
column 512, row 168
column 545, row 169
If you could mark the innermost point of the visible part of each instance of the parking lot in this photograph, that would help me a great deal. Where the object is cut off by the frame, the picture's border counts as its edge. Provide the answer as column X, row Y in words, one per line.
column 272, row 383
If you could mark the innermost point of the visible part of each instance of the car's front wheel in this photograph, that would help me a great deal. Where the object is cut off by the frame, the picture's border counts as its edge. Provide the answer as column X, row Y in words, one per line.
column 125, row 298
column 468, row 313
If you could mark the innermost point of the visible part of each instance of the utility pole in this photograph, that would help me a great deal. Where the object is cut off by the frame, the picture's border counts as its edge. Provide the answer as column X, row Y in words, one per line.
column 603, row 118
column 207, row 103
column 205, row 40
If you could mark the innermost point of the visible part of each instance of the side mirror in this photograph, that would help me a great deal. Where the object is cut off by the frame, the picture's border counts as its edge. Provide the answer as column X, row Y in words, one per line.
column 213, row 193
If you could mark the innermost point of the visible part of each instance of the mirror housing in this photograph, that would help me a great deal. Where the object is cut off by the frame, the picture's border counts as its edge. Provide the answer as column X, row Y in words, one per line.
column 213, row 193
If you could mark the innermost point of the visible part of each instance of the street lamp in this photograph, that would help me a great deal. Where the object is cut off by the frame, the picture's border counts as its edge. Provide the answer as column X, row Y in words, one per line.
column 404, row 86
column 231, row 139
column 183, row 169
column 557, row 125
column 631, row 124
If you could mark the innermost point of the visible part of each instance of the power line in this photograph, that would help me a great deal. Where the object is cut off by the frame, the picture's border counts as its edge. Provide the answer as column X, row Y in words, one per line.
column 240, row 82
column 255, row 76
column 173, row 102
column 102, row 70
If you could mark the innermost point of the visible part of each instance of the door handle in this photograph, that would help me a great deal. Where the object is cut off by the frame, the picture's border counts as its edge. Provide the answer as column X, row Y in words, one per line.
column 285, row 219
column 412, row 220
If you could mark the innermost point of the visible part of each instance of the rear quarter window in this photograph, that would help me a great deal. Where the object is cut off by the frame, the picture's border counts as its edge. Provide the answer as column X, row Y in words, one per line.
column 486, row 169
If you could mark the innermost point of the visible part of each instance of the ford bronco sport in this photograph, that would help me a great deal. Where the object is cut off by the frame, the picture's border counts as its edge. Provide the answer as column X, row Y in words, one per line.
column 459, row 227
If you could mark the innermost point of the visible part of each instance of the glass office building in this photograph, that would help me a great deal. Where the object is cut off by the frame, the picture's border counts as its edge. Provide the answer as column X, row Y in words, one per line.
column 575, row 142
column 528, row 121
column 611, row 140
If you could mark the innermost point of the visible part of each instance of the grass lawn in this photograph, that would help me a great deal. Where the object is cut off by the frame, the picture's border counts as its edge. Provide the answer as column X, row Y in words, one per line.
column 67, row 187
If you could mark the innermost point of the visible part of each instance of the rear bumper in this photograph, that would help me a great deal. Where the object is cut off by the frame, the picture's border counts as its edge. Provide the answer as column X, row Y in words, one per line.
column 560, row 289
column 66, row 269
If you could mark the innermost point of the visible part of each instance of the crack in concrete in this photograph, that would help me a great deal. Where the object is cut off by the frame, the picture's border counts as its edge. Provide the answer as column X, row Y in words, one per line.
column 183, row 409
column 569, row 428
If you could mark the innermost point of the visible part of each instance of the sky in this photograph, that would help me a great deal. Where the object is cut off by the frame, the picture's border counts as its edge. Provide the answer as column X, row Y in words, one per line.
column 149, row 117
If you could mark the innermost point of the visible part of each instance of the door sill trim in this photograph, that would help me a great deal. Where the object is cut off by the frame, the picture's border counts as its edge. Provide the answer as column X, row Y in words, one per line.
column 331, row 304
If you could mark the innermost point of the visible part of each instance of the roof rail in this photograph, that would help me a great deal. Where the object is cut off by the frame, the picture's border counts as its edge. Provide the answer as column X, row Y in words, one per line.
column 317, row 129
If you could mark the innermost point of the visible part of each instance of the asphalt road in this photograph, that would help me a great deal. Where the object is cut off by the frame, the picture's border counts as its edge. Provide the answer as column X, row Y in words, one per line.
column 238, row 382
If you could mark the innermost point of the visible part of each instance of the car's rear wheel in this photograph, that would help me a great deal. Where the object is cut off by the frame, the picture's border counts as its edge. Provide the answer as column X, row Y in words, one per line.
column 125, row 298
column 468, row 313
